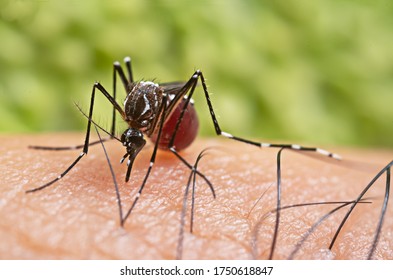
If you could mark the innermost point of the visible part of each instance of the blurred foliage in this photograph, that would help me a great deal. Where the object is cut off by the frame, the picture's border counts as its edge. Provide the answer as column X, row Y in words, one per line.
column 319, row 72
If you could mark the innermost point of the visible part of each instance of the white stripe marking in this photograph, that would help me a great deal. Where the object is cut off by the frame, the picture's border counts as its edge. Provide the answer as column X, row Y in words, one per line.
column 147, row 105
column 226, row 134
column 143, row 83
column 324, row 152
column 335, row 156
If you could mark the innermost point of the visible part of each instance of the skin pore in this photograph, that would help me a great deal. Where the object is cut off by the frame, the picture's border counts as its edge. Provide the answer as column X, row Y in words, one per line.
column 78, row 217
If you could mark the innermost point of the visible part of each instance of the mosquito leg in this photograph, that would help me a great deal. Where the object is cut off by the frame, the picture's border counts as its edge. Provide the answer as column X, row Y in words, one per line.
column 77, row 147
column 58, row 177
column 152, row 160
column 191, row 84
column 116, row 70
column 87, row 137
column 110, row 137
column 127, row 61
column 173, row 150
column 189, row 88
column 110, row 99
column 198, row 74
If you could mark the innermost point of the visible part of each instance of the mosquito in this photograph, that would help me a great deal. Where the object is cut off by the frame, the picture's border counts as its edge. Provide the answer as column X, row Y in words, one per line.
column 159, row 112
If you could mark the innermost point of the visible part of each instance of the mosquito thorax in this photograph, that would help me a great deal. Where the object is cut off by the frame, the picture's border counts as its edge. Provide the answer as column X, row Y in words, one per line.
column 133, row 140
column 142, row 105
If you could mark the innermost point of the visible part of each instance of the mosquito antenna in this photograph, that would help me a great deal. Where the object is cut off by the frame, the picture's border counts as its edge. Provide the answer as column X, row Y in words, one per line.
column 360, row 197
column 87, row 137
column 113, row 177
column 77, row 147
column 111, row 136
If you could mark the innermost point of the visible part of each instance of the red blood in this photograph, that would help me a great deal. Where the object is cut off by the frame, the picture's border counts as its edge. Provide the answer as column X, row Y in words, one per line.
column 187, row 131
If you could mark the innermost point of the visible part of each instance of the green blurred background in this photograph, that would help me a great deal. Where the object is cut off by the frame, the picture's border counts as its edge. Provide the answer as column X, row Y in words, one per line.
column 319, row 72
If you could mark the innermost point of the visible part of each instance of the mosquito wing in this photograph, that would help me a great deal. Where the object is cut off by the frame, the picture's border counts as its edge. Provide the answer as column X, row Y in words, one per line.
column 172, row 88
column 175, row 91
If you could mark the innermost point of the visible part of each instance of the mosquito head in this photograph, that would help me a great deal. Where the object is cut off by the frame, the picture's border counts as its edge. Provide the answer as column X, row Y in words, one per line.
column 142, row 105
column 133, row 140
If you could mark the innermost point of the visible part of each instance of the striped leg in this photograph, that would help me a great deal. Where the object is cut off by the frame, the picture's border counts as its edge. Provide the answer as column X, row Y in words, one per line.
column 198, row 74
column 117, row 70
column 87, row 137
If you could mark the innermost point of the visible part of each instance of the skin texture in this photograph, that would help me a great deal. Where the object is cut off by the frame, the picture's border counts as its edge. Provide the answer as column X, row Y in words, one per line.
column 78, row 218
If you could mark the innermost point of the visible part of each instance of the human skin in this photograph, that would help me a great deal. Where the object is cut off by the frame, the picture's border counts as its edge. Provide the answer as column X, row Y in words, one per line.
column 78, row 217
